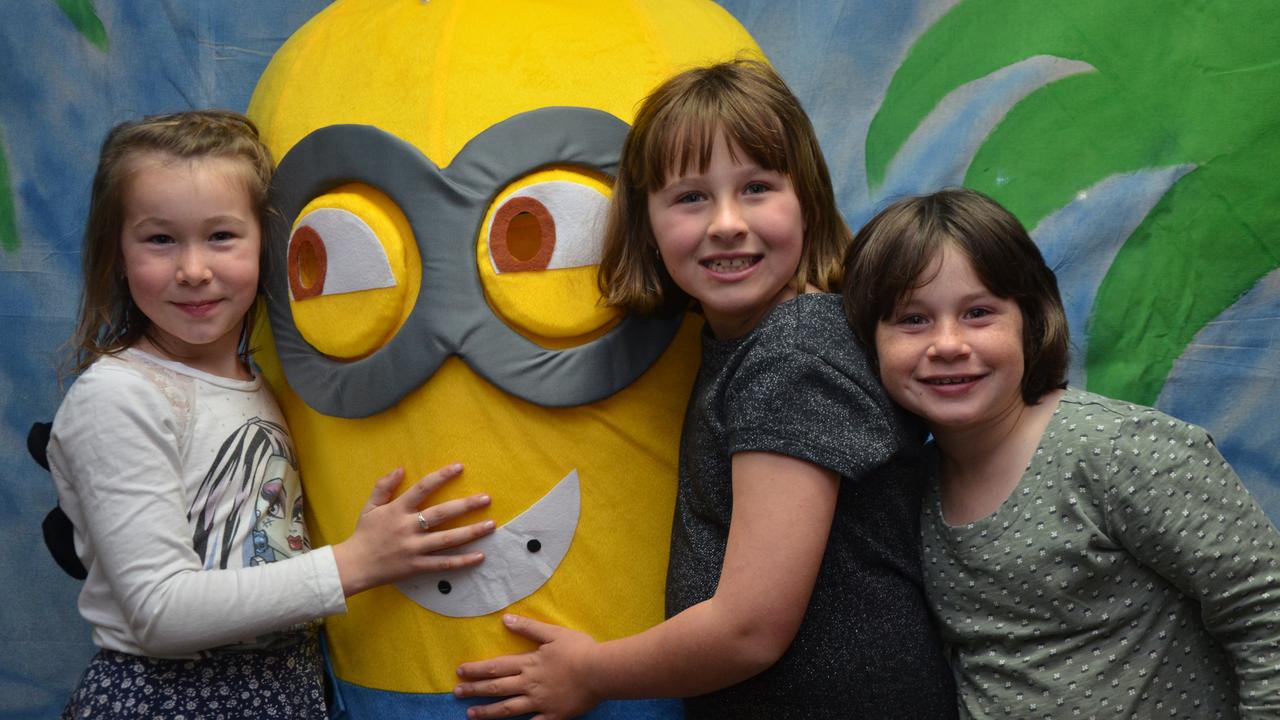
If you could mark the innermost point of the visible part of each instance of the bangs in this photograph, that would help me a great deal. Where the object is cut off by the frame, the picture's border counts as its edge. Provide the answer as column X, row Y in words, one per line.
column 909, row 264
column 685, row 132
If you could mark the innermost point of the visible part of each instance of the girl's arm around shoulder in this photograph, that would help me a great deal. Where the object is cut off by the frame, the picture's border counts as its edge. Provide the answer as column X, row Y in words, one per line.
column 1176, row 504
column 782, row 512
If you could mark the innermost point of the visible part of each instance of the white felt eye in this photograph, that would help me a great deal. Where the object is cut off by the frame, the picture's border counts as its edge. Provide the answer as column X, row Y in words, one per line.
column 333, row 251
column 547, row 225
column 354, row 271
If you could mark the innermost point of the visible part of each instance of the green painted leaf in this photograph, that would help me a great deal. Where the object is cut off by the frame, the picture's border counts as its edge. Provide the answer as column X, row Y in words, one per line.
column 8, row 218
column 1176, row 83
column 85, row 18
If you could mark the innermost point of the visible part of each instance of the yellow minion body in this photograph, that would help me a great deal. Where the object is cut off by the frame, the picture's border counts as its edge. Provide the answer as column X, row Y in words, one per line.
column 435, row 75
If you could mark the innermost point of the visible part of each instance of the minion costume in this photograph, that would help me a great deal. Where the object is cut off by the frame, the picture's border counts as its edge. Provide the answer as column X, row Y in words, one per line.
column 444, row 169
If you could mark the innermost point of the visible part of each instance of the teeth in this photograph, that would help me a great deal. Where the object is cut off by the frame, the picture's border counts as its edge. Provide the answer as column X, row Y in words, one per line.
column 730, row 264
column 949, row 381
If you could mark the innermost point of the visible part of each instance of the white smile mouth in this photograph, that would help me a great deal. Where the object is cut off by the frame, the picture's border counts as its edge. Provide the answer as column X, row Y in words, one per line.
column 733, row 264
column 951, row 380
column 519, row 558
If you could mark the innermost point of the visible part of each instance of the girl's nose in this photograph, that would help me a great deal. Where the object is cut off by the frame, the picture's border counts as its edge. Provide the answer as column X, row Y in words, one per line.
column 948, row 342
column 194, row 267
column 727, row 222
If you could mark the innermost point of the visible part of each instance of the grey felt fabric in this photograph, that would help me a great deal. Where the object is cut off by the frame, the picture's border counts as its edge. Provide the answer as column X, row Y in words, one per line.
column 445, row 208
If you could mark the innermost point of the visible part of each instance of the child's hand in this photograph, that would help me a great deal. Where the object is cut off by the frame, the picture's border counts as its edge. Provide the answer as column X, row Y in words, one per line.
column 548, row 681
column 390, row 542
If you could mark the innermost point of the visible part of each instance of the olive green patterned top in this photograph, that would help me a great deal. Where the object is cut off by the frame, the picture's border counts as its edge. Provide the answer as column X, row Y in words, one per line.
column 1128, row 575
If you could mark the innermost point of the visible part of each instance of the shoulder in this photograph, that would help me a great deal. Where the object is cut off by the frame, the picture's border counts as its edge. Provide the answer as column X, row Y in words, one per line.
column 804, row 388
column 113, row 380
column 1145, row 442
column 805, row 349
column 812, row 328
column 118, row 390
column 1128, row 423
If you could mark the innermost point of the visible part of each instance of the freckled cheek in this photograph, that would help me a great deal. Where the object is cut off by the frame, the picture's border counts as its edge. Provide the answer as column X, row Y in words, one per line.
column 895, row 370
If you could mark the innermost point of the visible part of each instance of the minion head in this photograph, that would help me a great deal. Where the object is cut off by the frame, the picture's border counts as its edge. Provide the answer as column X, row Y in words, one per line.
column 444, row 171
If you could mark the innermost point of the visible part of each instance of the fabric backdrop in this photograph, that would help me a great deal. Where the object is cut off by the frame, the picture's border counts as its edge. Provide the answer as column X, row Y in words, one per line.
column 1135, row 140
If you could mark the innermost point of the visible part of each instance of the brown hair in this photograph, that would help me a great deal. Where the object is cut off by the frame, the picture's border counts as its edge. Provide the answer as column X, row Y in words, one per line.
column 892, row 255
column 675, row 128
column 109, row 320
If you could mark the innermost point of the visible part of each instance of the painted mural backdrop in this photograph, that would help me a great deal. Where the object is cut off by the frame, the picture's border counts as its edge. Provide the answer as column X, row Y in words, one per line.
column 1137, row 140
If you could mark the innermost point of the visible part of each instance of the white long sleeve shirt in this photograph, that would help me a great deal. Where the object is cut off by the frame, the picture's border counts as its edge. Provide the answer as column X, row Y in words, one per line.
column 184, row 492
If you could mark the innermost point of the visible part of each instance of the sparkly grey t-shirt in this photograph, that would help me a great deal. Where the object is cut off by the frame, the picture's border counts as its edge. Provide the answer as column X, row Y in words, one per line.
column 800, row 385
column 1128, row 575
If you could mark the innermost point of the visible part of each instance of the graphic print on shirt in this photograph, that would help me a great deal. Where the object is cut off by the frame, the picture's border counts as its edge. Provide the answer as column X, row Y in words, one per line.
column 278, row 527
column 256, row 465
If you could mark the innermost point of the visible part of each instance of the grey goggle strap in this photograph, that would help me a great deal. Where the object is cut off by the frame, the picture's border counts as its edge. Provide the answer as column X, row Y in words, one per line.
column 451, row 316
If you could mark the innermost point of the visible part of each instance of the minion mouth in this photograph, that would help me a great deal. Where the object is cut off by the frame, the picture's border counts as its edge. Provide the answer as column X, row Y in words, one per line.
column 518, row 558
column 295, row 542
column 731, row 264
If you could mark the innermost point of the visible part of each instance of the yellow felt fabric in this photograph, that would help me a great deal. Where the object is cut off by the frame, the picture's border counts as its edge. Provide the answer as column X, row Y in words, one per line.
column 352, row 325
column 554, row 308
column 435, row 74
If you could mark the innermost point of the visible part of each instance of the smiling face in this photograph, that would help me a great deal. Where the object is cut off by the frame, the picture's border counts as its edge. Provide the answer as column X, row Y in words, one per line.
column 951, row 352
column 190, row 242
column 731, row 237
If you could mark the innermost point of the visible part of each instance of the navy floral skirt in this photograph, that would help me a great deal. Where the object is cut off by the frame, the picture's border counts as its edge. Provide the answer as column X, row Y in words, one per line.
column 277, row 683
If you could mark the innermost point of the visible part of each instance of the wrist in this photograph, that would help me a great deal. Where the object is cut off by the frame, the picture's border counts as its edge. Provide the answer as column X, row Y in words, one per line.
column 350, row 570
column 593, row 668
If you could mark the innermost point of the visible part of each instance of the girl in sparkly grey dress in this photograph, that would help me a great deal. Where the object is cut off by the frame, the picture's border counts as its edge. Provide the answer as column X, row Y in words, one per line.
column 1085, row 557
column 794, row 586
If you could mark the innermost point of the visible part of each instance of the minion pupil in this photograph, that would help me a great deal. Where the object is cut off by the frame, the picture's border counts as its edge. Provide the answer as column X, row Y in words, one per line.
column 333, row 251
column 522, row 236
column 445, row 209
column 546, row 226
column 308, row 261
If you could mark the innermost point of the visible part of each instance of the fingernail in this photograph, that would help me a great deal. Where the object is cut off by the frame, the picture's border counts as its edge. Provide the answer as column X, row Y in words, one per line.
column 508, row 619
column 488, row 525
column 456, row 467
column 484, row 499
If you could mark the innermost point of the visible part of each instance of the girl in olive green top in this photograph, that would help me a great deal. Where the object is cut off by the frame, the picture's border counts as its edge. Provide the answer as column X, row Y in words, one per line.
column 1084, row 557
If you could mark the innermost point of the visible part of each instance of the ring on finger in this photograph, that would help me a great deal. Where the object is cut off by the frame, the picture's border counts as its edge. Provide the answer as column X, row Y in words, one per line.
column 422, row 522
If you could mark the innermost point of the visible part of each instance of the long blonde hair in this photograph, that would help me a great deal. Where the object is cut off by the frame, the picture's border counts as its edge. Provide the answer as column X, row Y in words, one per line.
column 109, row 321
column 676, row 128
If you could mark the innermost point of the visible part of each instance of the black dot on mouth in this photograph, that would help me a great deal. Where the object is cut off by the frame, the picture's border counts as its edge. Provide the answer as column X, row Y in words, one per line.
column 444, row 587
column 533, row 545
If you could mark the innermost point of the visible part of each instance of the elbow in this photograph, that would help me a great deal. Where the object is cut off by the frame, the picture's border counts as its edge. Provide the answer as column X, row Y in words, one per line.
column 757, row 646
column 160, row 629
column 154, row 637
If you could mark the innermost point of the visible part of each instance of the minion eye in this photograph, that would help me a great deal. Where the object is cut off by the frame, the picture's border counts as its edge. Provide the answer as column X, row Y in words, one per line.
column 333, row 251
column 354, row 271
column 547, row 226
